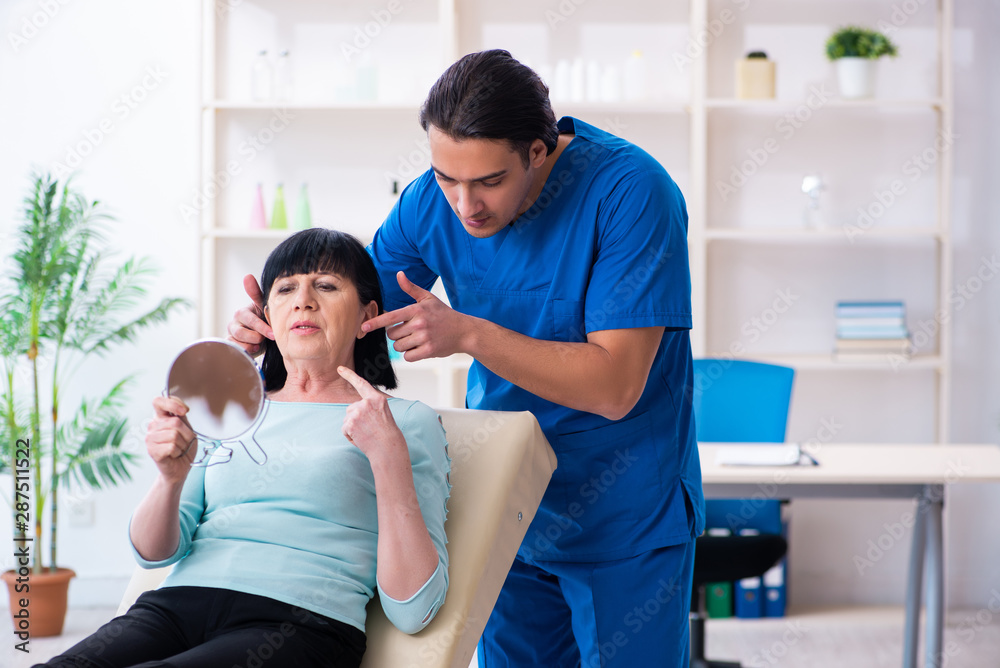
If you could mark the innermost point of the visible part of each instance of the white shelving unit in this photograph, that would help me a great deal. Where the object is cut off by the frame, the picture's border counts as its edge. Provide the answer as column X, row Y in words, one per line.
column 228, row 248
column 349, row 149
column 718, row 232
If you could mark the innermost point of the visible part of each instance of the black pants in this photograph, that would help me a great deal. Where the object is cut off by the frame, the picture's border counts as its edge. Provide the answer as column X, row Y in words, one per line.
column 203, row 627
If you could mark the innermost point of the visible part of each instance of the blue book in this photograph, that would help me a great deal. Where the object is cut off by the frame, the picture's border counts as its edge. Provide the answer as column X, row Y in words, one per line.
column 870, row 310
column 863, row 304
column 850, row 332
column 871, row 322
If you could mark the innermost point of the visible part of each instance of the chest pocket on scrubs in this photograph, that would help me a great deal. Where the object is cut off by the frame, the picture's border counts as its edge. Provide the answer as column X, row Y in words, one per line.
column 609, row 474
column 567, row 320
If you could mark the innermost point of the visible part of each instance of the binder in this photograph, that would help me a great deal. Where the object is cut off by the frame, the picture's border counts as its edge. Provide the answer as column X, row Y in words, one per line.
column 774, row 590
column 719, row 600
column 749, row 603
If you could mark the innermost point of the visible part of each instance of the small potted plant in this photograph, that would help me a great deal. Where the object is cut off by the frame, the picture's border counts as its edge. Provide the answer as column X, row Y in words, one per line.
column 59, row 305
column 855, row 51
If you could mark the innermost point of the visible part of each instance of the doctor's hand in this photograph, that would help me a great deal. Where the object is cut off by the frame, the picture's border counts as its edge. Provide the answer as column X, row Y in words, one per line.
column 425, row 329
column 248, row 329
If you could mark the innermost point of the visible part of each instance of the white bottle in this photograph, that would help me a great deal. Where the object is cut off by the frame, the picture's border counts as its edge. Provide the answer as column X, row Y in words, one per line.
column 262, row 78
column 559, row 91
column 593, row 81
column 611, row 84
column 367, row 79
column 635, row 78
column 282, row 90
column 577, row 81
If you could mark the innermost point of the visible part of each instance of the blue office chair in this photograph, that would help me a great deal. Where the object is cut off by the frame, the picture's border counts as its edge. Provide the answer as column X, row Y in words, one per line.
column 736, row 401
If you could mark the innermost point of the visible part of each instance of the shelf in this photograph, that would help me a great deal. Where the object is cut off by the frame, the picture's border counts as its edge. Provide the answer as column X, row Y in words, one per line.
column 562, row 108
column 315, row 106
column 833, row 102
column 694, row 110
column 224, row 233
column 799, row 234
column 826, row 362
column 583, row 109
column 268, row 234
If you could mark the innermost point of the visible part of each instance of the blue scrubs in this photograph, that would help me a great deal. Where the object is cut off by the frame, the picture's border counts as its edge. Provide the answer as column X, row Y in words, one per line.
column 603, row 247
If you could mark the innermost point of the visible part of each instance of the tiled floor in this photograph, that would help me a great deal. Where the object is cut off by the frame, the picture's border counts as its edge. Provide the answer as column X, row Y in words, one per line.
column 855, row 637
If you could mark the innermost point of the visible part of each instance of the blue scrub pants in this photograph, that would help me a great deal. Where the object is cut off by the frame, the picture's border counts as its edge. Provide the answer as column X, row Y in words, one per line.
column 609, row 614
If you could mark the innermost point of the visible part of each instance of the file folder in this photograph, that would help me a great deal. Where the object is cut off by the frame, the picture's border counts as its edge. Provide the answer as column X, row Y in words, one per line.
column 749, row 602
column 774, row 591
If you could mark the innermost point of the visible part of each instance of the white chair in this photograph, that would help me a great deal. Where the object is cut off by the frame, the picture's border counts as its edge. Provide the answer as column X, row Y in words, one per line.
column 501, row 465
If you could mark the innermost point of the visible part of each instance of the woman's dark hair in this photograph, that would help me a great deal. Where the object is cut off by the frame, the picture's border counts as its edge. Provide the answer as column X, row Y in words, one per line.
column 329, row 251
column 490, row 95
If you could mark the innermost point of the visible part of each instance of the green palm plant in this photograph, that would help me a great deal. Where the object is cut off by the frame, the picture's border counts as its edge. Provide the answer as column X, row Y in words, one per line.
column 61, row 309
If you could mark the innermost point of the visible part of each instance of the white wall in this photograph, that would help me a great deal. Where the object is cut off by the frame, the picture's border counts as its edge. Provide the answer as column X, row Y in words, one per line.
column 69, row 76
column 113, row 85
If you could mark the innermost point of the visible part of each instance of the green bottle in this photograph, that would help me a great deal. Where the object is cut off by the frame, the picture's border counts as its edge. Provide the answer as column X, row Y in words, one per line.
column 303, row 215
column 279, row 220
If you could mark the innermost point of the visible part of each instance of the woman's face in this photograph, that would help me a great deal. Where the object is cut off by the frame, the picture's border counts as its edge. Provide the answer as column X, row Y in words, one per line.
column 317, row 317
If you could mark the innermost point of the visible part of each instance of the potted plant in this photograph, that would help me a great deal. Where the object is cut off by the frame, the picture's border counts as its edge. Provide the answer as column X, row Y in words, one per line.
column 855, row 51
column 61, row 305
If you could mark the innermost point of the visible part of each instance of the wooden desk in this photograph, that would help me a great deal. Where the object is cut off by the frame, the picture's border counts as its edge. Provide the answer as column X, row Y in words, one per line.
column 882, row 470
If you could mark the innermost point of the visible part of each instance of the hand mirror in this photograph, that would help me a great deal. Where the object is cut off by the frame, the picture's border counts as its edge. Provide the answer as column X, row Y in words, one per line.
column 224, row 393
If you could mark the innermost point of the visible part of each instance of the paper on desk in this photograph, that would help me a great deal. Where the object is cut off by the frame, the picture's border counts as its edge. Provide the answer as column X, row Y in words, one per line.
column 759, row 454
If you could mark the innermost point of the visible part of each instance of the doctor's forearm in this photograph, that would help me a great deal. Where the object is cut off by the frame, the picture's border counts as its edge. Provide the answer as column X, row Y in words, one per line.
column 584, row 376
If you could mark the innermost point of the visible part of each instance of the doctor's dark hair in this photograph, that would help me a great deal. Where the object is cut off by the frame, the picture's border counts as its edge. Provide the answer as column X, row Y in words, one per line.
column 490, row 95
column 329, row 251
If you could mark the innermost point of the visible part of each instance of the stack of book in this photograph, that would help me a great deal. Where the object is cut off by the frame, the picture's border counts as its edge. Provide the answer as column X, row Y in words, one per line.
column 871, row 330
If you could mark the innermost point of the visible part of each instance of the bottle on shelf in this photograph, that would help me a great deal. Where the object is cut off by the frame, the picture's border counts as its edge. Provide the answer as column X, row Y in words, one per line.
column 611, row 85
column 366, row 81
column 279, row 219
column 303, row 213
column 577, row 81
column 812, row 185
column 635, row 77
column 261, row 80
column 559, row 90
column 282, row 90
column 258, row 217
column 593, row 81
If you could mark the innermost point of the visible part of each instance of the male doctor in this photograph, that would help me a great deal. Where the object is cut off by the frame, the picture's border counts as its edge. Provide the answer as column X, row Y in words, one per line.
column 563, row 253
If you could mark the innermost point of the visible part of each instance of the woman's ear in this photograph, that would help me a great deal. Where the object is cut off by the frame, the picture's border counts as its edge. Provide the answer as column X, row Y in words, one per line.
column 370, row 311
column 267, row 314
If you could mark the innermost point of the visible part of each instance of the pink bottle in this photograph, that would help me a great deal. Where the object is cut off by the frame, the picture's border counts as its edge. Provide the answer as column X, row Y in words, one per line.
column 258, row 219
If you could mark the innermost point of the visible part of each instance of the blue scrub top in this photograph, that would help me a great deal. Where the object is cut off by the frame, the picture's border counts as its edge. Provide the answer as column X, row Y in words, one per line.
column 603, row 247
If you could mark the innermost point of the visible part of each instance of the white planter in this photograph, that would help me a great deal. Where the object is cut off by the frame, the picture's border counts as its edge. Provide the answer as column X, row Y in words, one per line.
column 856, row 77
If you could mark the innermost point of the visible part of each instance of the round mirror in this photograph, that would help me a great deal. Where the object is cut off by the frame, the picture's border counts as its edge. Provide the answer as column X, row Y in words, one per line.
column 221, row 386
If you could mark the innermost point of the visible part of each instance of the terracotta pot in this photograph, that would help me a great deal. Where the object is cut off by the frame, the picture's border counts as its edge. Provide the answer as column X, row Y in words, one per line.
column 39, row 611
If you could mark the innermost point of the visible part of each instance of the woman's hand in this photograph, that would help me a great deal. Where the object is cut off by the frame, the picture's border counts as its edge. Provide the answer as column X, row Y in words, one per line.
column 369, row 423
column 170, row 441
column 407, row 557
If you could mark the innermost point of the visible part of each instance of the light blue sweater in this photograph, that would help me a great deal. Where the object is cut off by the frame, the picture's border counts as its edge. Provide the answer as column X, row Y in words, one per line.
column 303, row 528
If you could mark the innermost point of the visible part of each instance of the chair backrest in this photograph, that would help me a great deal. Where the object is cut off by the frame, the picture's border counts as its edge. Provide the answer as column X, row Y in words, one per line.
column 738, row 401
column 741, row 401
column 501, row 464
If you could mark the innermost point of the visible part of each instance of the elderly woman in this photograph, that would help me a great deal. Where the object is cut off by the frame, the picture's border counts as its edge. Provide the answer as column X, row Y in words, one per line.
column 275, row 564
